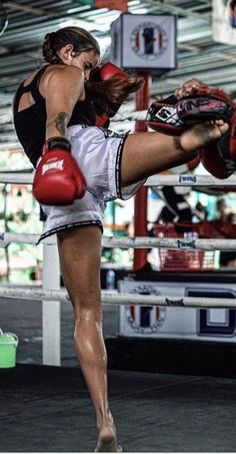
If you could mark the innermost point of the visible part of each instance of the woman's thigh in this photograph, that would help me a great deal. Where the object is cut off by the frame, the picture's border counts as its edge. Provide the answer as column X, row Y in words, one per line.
column 80, row 258
column 147, row 153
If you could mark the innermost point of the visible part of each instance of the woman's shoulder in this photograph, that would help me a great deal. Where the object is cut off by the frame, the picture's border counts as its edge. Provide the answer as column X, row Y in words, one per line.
column 56, row 70
column 62, row 71
column 57, row 75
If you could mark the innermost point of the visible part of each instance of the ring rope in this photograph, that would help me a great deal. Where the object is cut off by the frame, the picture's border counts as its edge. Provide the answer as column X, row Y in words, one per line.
column 139, row 115
column 170, row 243
column 139, row 242
column 7, row 238
column 189, row 180
column 21, row 178
column 36, row 294
column 156, row 180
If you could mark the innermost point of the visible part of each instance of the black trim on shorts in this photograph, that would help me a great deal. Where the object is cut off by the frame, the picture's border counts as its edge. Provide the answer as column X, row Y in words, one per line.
column 118, row 166
column 69, row 226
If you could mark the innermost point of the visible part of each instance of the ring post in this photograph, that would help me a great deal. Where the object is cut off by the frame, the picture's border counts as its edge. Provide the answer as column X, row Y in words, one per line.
column 140, row 202
column 51, row 310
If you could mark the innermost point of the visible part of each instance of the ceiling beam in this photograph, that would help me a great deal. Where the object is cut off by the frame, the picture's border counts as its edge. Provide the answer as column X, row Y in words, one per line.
column 171, row 7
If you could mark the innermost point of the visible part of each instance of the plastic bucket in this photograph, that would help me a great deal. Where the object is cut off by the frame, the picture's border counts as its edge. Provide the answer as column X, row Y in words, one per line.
column 8, row 344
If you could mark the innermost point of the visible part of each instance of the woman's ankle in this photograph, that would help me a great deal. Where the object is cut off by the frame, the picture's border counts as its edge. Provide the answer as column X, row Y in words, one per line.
column 104, row 420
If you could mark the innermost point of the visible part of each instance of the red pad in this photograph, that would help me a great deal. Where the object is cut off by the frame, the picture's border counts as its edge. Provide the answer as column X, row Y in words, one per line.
column 232, row 144
column 216, row 158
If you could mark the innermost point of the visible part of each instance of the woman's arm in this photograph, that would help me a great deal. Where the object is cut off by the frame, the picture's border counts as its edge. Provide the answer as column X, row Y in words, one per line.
column 63, row 88
column 58, row 179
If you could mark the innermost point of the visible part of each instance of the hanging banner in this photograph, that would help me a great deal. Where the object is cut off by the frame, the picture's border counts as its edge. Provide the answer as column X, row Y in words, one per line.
column 224, row 21
column 121, row 5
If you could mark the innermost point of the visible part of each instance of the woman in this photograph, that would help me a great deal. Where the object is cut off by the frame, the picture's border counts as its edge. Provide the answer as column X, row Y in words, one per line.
column 60, row 101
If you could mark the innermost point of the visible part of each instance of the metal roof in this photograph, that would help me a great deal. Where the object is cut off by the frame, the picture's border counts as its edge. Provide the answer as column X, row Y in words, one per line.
column 24, row 23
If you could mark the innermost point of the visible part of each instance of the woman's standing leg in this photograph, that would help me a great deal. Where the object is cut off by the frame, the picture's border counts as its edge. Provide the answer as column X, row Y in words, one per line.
column 80, row 255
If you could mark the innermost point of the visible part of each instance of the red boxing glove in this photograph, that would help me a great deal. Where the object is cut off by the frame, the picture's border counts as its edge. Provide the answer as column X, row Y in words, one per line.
column 103, row 73
column 217, row 159
column 107, row 71
column 103, row 121
column 191, row 165
column 232, row 143
column 58, row 179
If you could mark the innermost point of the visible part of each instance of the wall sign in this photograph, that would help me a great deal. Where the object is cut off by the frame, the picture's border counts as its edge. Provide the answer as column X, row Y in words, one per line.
column 141, row 41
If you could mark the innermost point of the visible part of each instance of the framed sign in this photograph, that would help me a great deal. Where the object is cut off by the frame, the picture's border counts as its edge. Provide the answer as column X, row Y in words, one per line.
column 178, row 322
column 144, row 41
column 224, row 21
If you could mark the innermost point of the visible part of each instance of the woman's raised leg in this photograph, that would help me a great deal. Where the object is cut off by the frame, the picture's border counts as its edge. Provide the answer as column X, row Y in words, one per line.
column 147, row 153
column 80, row 254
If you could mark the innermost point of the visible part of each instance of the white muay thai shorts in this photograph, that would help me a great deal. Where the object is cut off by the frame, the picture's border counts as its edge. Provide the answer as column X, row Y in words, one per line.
column 98, row 153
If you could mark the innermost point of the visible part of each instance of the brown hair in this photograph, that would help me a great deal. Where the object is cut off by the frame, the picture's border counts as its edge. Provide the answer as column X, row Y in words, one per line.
column 109, row 94
column 78, row 37
column 106, row 95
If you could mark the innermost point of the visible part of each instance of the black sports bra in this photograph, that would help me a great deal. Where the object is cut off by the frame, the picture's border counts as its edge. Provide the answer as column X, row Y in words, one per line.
column 30, row 123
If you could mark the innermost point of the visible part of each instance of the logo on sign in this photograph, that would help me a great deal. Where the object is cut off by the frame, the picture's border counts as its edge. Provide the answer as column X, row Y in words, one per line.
column 187, row 179
column 145, row 319
column 149, row 40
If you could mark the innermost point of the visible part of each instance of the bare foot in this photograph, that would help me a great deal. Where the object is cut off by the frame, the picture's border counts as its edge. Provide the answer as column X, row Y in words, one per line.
column 202, row 133
column 107, row 441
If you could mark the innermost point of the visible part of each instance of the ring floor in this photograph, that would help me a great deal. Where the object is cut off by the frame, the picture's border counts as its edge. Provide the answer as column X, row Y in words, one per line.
column 47, row 409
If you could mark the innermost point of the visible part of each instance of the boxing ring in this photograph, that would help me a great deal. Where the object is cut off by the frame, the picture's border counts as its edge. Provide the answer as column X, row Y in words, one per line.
column 47, row 409
column 52, row 295
column 169, row 409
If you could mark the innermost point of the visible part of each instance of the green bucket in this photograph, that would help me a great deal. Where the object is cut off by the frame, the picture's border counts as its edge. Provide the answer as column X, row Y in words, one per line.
column 8, row 344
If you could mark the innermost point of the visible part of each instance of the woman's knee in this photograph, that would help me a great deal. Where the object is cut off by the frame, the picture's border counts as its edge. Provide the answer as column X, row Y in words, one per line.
column 88, row 314
column 88, row 305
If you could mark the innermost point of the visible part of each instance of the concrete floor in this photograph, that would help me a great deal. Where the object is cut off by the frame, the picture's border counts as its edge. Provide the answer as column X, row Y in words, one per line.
column 24, row 318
